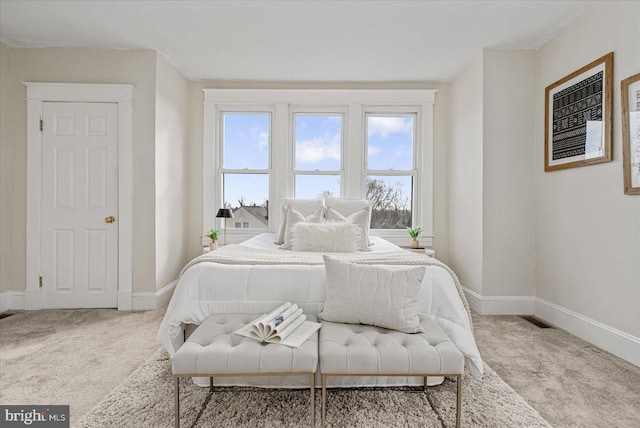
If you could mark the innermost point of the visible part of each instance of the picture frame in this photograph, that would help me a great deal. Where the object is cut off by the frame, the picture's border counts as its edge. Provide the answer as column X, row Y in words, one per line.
column 630, row 90
column 578, row 117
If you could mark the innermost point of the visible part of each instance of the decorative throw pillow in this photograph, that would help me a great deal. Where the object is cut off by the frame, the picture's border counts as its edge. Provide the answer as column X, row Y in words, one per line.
column 346, row 207
column 375, row 295
column 328, row 238
column 306, row 207
column 359, row 218
column 294, row 217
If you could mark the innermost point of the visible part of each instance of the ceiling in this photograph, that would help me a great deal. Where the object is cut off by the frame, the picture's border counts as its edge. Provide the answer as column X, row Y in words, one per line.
column 296, row 40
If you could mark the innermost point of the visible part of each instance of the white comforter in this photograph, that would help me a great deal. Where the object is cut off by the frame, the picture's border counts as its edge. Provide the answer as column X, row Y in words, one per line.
column 238, row 286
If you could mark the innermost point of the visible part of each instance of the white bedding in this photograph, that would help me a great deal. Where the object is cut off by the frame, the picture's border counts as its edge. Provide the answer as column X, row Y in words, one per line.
column 207, row 287
column 266, row 241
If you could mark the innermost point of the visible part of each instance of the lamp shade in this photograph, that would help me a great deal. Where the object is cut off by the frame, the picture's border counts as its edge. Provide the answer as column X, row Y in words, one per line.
column 224, row 213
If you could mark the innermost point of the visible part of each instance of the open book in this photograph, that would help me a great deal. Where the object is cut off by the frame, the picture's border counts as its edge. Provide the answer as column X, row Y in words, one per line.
column 286, row 325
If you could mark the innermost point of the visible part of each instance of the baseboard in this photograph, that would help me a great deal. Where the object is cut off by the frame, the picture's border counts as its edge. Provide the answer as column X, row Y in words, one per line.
column 474, row 299
column 32, row 299
column 145, row 301
column 125, row 298
column 12, row 301
column 499, row 305
column 4, row 301
column 165, row 293
column 16, row 300
column 617, row 342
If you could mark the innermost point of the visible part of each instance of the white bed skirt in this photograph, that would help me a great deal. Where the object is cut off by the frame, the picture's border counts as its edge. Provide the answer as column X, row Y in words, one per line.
column 302, row 381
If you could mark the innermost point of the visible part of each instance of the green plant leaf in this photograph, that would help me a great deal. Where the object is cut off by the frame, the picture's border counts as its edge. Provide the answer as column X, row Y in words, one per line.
column 414, row 232
column 214, row 234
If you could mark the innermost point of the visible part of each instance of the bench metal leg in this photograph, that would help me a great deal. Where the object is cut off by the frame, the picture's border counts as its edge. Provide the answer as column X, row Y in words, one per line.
column 312, row 378
column 459, row 401
column 324, row 398
column 176, row 394
column 458, row 393
column 176, row 407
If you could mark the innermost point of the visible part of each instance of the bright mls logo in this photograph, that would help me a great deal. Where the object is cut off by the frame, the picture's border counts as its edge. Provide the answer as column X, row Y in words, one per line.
column 34, row 416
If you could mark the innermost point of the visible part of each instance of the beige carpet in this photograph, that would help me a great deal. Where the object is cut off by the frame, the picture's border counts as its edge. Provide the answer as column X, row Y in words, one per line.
column 145, row 399
column 72, row 356
column 572, row 383
column 77, row 357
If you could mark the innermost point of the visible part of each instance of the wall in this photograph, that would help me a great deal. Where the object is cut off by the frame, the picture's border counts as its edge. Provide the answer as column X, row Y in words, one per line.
column 441, row 121
column 8, row 234
column 194, row 175
column 171, row 199
column 490, row 177
column 587, row 230
column 507, row 177
column 465, row 175
column 87, row 66
column 441, row 165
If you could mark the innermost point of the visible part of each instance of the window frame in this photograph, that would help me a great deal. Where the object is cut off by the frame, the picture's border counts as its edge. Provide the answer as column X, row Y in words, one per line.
column 416, row 163
column 353, row 183
column 221, row 170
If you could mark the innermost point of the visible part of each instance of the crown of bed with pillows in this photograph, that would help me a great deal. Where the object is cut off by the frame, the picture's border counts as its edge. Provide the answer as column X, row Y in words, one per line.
column 325, row 224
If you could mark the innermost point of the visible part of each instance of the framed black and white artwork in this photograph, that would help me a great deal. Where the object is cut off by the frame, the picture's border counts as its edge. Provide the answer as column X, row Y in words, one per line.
column 630, row 90
column 578, row 117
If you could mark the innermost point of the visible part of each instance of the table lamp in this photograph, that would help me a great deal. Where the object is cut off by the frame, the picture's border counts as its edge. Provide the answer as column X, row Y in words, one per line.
column 224, row 213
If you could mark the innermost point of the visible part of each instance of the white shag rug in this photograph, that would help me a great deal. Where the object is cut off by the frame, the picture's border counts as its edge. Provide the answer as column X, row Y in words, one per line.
column 145, row 399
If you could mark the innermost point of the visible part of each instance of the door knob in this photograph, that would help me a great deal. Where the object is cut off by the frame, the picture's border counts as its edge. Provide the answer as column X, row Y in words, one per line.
column 109, row 219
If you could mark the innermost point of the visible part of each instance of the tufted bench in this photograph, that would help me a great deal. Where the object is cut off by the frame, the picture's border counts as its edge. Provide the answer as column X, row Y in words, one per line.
column 362, row 350
column 213, row 351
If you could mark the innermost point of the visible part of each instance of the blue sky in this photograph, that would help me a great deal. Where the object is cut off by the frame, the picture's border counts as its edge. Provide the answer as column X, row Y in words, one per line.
column 246, row 145
column 246, row 138
column 390, row 142
column 318, row 142
column 318, row 146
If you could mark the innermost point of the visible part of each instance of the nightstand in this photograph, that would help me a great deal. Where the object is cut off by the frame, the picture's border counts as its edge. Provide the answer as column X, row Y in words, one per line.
column 421, row 250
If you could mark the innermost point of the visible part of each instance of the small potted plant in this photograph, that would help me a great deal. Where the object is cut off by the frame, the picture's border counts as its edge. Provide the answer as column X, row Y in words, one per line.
column 213, row 235
column 414, row 232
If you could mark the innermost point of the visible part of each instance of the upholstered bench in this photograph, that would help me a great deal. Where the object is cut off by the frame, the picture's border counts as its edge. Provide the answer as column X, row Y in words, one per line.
column 362, row 350
column 213, row 350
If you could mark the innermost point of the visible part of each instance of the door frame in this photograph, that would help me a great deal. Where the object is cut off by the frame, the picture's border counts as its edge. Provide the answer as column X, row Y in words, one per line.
column 37, row 94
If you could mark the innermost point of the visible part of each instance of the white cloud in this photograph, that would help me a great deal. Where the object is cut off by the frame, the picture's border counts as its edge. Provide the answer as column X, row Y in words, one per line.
column 383, row 126
column 318, row 149
column 373, row 150
column 255, row 136
column 263, row 140
column 398, row 154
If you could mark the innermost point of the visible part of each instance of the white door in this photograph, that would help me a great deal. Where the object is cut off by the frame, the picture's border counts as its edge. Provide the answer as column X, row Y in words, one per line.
column 79, row 240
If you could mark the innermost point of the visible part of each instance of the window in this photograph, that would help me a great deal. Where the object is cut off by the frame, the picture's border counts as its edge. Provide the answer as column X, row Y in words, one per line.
column 317, row 155
column 245, row 166
column 260, row 146
column 390, row 168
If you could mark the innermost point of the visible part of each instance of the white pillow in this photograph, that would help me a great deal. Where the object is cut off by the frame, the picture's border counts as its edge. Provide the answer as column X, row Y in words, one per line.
column 328, row 238
column 307, row 207
column 294, row 217
column 359, row 218
column 346, row 206
column 383, row 296
column 349, row 206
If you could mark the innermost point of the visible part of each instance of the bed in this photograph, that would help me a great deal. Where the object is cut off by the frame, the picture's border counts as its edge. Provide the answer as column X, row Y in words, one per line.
column 257, row 275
